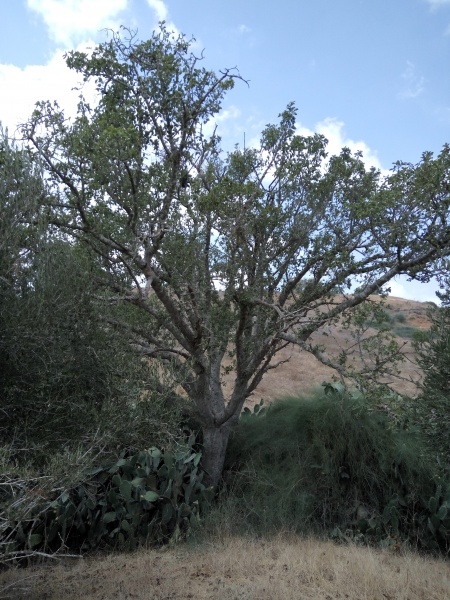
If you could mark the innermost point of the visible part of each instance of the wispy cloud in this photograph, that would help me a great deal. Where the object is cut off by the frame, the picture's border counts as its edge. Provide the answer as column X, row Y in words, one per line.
column 71, row 21
column 438, row 3
column 413, row 84
column 161, row 10
column 227, row 123
column 162, row 14
column 242, row 29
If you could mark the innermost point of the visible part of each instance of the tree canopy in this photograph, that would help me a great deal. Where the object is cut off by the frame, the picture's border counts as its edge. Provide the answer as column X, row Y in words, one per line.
column 229, row 257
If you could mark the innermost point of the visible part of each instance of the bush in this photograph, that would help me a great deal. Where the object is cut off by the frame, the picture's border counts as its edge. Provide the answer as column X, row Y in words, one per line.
column 431, row 411
column 149, row 496
column 399, row 317
column 67, row 378
column 328, row 463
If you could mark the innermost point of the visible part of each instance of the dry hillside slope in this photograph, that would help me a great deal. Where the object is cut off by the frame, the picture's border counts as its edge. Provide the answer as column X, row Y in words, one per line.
column 302, row 371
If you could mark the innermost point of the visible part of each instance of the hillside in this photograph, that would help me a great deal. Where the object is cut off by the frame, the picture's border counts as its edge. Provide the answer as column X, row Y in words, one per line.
column 302, row 371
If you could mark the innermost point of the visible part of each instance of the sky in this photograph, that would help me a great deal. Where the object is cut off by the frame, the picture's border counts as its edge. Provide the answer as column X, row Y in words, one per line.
column 372, row 75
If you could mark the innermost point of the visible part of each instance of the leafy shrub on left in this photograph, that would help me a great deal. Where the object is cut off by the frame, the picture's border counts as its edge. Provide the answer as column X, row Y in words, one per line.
column 148, row 496
column 66, row 375
column 68, row 379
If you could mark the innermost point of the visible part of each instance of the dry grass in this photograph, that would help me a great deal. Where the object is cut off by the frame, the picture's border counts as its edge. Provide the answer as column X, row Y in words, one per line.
column 236, row 568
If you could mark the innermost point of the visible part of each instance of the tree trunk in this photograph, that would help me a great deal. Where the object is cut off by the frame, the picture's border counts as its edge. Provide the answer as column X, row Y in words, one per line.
column 215, row 442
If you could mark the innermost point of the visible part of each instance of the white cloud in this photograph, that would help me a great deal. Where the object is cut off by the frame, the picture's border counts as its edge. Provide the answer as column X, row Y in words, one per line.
column 413, row 290
column 162, row 14
column 226, row 122
column 244, row 29
column 70, row 21
column 414, row 83
column 22, row 88
column 232, row 112
column 161, row 10
column 334, row 131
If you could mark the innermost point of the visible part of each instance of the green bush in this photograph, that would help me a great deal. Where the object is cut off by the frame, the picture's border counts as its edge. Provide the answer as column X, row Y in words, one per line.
column 328, row 463
column 406, row 331
column 66, row 377
column 399, row 317
column 149, row 496
column 431, row 410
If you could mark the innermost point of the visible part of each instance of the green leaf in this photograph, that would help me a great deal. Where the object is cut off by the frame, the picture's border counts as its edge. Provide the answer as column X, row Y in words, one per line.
column 433, row 505
column 167, row 513
column 125, row 489
column 64, row 497
column 138, row 481
column 109, row 517
column 34, row 539
column 150, row 496
column 112, row 497
column 442, row 513
column 126, row 526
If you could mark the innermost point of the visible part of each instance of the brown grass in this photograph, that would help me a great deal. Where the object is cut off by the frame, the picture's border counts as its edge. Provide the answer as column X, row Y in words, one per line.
column 236, row 568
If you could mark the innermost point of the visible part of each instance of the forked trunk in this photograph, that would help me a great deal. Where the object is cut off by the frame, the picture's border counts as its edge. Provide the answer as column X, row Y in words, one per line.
column 215, row 442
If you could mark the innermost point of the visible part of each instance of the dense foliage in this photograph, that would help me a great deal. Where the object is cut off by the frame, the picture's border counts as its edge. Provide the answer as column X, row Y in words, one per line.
column 67, row 378
column 431, row 411
column 146, row 497
column 330, row 464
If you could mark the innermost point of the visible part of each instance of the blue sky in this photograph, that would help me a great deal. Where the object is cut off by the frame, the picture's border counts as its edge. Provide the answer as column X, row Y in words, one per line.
column 369, row 74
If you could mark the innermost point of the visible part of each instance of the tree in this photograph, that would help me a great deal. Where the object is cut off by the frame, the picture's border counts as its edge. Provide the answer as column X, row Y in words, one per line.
column 21, row 190
column 230, row 257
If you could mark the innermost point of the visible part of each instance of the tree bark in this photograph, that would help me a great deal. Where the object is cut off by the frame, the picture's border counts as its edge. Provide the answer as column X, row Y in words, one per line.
column 215, row 442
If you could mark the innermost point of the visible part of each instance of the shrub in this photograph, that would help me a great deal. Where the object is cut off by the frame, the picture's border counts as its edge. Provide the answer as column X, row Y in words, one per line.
column 66, row 377
column 327, row 463
column 151, row 495
column 431, row 411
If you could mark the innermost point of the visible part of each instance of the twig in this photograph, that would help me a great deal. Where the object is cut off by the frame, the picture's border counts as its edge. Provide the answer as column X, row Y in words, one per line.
column 15, row 553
